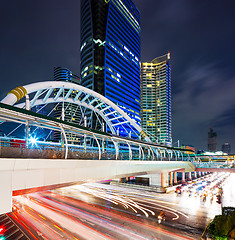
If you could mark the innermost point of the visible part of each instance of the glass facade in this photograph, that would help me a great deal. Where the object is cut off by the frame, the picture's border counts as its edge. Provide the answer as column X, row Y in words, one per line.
column 64, row 74
column 110, row 52
column 226, row 148
column 156, row 99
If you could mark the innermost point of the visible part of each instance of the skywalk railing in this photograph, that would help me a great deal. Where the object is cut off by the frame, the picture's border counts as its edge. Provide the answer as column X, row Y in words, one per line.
column 124, row 147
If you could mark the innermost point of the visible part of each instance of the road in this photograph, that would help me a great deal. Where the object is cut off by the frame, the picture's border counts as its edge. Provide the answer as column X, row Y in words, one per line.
column 229, row 192
column 101, row 211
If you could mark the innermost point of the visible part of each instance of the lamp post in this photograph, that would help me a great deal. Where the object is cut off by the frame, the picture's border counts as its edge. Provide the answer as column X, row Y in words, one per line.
column 27, row 129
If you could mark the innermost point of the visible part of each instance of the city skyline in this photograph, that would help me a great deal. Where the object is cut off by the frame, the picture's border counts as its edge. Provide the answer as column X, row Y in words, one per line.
column 38, row 36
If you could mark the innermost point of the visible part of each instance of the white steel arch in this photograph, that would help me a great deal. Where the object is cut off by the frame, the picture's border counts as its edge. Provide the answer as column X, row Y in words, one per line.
column 58, row 91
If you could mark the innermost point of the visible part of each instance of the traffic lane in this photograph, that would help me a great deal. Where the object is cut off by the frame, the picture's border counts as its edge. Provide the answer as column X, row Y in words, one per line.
column 145, row 224
column 84, row 220
column 65, row 221
column 44, row 227
column 153, row 210
column 150, row 231
column 154, row 231
column 199, row 215
column 9, row 229
column 229, row 192
column 169, row 203
column 192, row 210
column 94, row 219
column 30, row 232
column 111, row 197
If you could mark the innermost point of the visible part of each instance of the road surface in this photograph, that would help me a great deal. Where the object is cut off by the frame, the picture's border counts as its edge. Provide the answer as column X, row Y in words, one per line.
column 102, row 211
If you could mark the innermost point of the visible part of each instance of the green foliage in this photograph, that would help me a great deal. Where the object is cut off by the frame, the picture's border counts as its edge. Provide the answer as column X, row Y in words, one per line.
column 222, row 225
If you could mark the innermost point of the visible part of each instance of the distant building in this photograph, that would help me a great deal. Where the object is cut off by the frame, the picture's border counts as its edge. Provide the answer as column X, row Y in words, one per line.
column 156, row 98
column 212, row 141
column 226, row 148
column 110, row 55
column 64, row 74
column 72, row 111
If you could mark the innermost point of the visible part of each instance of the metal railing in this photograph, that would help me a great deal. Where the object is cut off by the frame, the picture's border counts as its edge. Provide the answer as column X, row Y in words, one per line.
column 212, row 164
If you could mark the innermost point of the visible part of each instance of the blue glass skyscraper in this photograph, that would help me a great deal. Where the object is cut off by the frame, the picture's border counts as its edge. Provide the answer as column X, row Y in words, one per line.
column 110, row 52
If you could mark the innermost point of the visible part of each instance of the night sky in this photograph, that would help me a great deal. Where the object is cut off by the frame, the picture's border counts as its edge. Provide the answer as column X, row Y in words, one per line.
column 200, row 34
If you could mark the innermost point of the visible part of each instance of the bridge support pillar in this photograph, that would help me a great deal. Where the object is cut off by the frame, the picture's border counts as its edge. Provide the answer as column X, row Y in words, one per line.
column 183, row 177
column 175, row 177
column 6, row 192
column 189, row 175
column 154, row 179
column 171, row 178
column 164, row 179
column 195, row 174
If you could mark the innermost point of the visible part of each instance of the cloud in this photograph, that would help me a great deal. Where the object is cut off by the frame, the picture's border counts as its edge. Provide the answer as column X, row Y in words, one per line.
column 205, row 98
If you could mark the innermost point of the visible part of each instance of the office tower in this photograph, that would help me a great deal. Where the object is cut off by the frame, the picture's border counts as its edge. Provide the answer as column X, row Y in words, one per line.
column 72, row 111
column 156, row 99
column 212, row 141
column 226, row 148
column 64, row 74
column 110, row 53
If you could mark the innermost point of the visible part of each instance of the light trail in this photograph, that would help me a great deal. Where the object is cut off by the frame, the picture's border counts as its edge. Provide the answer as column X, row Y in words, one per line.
column 67, row 214
column 69, row 224
column 129, row 202
column 163, row 207
column 139, row 224
column 94, row 219
column 173, row 211
column 40, row 224
column 110, row 220
column 120, row 220
column 114, row 198
column 89, row 217
column 16, row 219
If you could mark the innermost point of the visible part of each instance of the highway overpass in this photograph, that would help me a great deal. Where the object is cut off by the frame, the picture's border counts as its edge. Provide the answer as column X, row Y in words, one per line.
column 21, row 175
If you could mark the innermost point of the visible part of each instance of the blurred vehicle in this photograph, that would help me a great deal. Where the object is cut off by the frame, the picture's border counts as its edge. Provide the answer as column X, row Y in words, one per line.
column 189, row 193
column 211, row 197
column 178, row 189
column 161, row 217
column 204, row 197
column 218, row 199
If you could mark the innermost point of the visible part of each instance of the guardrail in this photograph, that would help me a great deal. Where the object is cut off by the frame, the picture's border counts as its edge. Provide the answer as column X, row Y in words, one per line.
column 16, row 148
column 213, row 164
column 157, row 189
column 19, row 150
